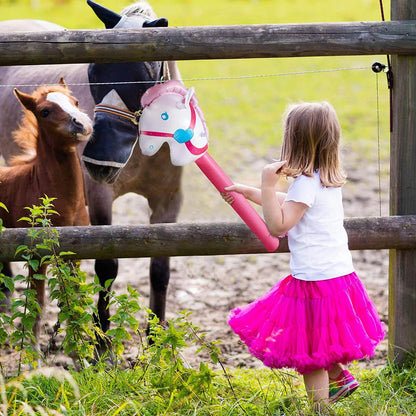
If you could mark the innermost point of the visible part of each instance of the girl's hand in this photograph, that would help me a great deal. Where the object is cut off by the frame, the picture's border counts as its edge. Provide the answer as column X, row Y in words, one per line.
column 232, row 188
column 227, row 197
column 271, row 173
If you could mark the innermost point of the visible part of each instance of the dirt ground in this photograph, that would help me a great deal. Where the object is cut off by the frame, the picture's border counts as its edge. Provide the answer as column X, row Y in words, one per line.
column 209, row 286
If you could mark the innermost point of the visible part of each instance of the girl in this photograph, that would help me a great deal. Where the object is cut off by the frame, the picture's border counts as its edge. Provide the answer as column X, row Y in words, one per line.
column 320, row 317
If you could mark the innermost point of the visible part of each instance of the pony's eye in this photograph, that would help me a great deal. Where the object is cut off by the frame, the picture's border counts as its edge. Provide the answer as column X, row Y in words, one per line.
column 164, row 116
column 44, row 112
column 76, row 103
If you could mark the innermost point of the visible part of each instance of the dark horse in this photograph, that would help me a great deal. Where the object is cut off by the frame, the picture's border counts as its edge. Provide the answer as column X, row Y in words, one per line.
column 119, row 86
column 52, row 126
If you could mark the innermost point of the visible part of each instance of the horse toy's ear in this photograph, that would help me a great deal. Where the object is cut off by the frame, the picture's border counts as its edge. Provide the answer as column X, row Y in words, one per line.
column 108, row 17
column 25, row 99
column 62, row 82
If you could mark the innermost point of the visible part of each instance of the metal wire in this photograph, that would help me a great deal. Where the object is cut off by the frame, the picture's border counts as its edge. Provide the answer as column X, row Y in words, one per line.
column 197, row 79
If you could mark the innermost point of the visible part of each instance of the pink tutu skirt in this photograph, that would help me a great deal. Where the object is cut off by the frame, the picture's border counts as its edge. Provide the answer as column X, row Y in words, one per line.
column 310, row 325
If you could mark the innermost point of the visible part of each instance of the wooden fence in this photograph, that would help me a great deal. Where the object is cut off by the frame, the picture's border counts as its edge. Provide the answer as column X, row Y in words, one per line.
column 201, row 239
column 397, row 38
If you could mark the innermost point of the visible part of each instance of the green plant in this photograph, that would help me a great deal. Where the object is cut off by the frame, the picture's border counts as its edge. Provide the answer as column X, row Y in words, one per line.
column 127, row 306
column 67, row 285
column 74, row 294
column 25, row 311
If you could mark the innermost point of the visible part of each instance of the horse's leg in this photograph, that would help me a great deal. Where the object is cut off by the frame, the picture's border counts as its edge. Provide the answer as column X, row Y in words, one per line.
column 100, row 199
column 159, row 281
column 5, row 303
column 165, row 209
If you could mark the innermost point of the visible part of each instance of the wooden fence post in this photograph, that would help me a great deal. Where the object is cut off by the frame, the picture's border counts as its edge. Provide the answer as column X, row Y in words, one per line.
column 402, row 278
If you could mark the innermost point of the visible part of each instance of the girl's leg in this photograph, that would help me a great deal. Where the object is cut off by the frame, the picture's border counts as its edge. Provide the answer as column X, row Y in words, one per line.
column 335, row 371
column 316, row 384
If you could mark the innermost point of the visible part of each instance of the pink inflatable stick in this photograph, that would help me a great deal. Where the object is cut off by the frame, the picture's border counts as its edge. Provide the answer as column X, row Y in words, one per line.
column 240, row 205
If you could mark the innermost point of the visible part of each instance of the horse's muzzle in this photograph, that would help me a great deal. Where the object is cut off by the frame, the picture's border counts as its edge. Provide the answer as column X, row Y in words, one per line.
column 81, row 131
column 102, row 174
column 110, row 146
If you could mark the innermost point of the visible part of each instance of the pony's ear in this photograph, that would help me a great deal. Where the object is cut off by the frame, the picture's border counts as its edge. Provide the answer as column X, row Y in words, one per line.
column 26, row 100
column 62, row 82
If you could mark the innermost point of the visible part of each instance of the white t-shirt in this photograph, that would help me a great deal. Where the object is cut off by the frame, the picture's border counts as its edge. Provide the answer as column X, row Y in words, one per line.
column 318, row 242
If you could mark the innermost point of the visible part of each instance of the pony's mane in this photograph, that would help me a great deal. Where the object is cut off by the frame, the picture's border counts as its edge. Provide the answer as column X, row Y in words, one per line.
column 140, row 8
column 26, row 136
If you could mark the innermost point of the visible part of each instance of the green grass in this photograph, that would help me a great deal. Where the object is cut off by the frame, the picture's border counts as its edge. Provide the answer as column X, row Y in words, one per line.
column 383, row 392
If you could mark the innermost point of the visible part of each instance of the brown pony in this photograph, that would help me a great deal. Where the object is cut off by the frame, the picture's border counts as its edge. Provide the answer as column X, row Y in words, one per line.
column 51, row 128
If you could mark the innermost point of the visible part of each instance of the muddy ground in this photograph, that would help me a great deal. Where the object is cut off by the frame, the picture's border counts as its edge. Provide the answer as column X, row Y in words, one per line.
column 209, row 286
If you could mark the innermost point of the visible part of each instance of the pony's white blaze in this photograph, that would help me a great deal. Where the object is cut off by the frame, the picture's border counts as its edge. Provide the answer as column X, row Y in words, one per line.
column 64, row 102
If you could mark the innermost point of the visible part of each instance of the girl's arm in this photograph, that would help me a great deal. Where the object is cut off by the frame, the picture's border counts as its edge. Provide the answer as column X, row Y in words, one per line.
column 249, row 192
column 280, row 216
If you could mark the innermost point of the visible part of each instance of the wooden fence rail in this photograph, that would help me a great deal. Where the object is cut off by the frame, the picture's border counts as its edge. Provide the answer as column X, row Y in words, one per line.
column 202, row 239
column 208, row 42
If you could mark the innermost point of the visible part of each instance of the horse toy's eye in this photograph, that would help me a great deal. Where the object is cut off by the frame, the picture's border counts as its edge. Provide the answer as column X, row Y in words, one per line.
column 76, row 103
column 44, row 112
column 164, row 116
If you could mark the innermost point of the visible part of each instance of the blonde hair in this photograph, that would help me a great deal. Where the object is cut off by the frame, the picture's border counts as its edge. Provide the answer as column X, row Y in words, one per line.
column 311, row 142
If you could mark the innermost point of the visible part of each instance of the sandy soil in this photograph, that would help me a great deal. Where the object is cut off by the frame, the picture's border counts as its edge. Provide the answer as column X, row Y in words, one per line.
column 210, row 286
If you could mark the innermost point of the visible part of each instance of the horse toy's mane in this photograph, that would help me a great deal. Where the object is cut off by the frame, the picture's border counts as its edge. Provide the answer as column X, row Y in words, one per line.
column 172, row 87
column 27, row 135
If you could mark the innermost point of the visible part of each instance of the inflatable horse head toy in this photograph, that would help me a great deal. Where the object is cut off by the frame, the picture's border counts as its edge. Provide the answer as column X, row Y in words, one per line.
column 171, row 114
